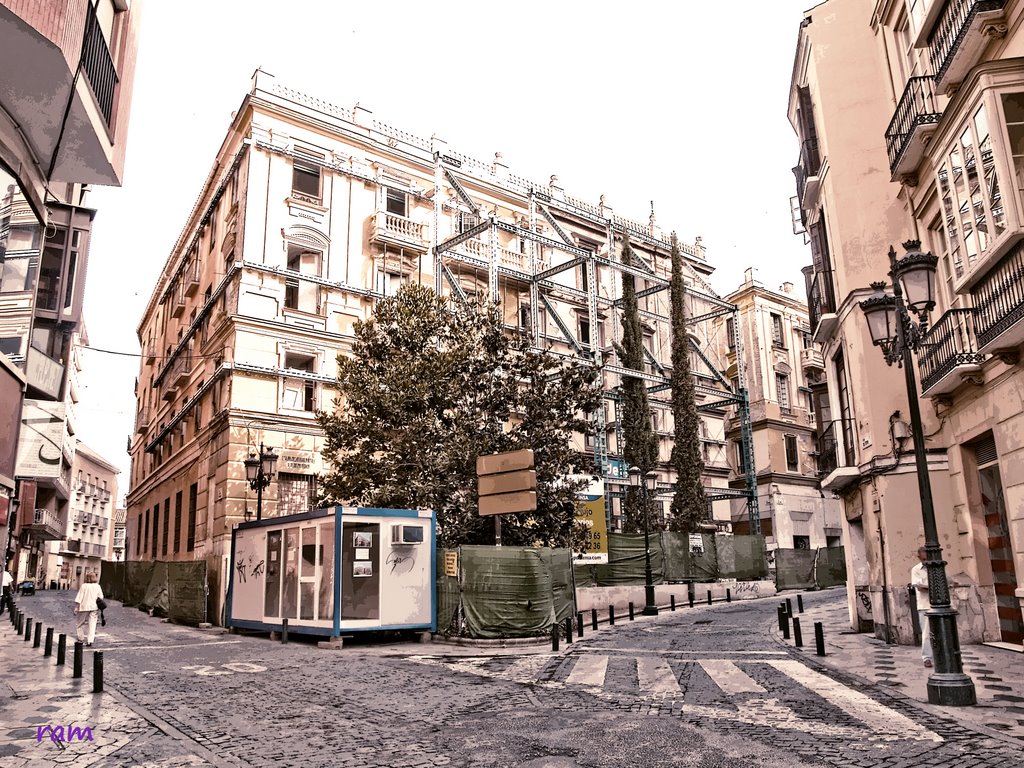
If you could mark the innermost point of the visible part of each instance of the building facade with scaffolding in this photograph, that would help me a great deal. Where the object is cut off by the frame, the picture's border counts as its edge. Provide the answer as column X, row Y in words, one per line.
column 311, row 213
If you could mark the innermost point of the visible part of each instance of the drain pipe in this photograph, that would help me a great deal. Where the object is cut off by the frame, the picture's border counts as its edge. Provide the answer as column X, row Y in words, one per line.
column 885, row 587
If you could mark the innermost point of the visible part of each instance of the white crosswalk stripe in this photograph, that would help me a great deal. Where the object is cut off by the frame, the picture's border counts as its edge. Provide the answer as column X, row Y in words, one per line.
column 730, row 678
column 655, row 676
column 589, row 670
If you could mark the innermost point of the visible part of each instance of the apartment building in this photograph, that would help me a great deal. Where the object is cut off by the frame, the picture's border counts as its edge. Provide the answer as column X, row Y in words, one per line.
column 310, row 214
column 909, row 134
column 68, row 73
column 770, row 340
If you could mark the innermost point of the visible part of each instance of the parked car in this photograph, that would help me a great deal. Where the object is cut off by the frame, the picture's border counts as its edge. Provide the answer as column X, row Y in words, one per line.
column 27, row 587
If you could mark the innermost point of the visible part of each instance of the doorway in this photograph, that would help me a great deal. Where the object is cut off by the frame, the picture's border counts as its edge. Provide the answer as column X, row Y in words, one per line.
column 1004, row 577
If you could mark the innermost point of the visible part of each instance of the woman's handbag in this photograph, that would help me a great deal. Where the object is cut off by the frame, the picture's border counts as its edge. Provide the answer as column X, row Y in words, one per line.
column 101, row 603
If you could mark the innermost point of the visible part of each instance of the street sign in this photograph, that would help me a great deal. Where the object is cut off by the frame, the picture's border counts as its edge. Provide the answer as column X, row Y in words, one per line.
column 506, row 484
column 493, row 463
column 451, row 562
column 590, row 514
column 508, row 503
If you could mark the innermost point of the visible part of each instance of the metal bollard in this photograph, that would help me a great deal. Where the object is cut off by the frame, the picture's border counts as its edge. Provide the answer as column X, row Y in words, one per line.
column 819, row 639
column 579, row 624
column 709, row 597
column 672, row 602
column 554, row 636
column 728, row 595
column 28, row 628
column 77, row 661
column 611, row 615
column 800, row 603
column 690, row 595
column 631, row 612
column 798, row 638
column 784, row 621
column 284, row 631
column 593, row 619
column 62, row 649
column 789, row 606
column 568, row 630
column 48, row 648
column 38, row 635
column 97, row 672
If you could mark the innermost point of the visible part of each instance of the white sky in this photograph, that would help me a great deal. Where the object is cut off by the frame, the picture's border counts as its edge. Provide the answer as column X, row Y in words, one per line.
column 683, row 103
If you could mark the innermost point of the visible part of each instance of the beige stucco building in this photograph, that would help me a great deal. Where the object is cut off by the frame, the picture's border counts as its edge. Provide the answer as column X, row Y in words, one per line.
column 312, row 212
column 770, row 340
column 908, row 114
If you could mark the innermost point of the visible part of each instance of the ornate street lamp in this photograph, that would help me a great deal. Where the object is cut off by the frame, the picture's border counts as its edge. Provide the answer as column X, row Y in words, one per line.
column 646, row 489
column 259, row 471
column 894, row 330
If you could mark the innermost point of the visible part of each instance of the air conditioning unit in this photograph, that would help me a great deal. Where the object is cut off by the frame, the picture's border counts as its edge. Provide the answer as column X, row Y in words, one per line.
column 406, row 534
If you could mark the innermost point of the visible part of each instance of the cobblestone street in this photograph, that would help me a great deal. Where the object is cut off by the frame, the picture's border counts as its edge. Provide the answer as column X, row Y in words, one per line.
column 707, row 686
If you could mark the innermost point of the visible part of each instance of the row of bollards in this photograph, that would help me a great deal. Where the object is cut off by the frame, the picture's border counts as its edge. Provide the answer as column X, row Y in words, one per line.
column 567, row 627
column 26, row 628
column 785, row 613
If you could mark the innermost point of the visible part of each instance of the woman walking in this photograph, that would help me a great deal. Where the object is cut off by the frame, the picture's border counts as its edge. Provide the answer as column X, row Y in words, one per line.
column 86, row 608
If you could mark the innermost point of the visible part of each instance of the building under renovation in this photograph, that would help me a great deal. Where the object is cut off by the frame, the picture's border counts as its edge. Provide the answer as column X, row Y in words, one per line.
column 311, row 213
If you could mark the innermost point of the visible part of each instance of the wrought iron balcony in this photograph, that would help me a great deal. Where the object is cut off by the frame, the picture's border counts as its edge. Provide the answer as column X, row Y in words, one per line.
column 821, row 305
column 806, row 171
column 999, row 303
column 949, row 353
column 913, row 121
column 181, row 369
column 835, row 469
column 98, row 66
column 958, row 37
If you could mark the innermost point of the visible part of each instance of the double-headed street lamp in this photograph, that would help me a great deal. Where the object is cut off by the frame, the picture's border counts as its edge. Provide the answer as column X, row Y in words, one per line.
column 895, row 331
column 645, row 489
column 259, row 471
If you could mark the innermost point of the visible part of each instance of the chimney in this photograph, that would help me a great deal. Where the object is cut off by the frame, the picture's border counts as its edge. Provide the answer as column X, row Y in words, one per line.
column 787, row 287
column 500, row 169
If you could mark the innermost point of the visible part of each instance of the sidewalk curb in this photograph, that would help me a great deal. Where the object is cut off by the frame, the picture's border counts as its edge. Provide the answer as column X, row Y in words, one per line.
column 820, row 664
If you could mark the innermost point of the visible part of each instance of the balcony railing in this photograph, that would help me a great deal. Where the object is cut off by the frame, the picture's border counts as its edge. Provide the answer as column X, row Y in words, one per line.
column 820, row 298
column 952, row 29
column 917, row 107
column 807, row 167
column 949, row 345
column 181, row 369
column 73, row 545
column 46, row 524
column 828, row 450
column 392, row 228
column 812, row 361
column 98, row 66
column 999, row 302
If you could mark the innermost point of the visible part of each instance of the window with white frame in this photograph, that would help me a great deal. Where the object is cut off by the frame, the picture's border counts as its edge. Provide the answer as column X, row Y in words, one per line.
column 299, row 394
column 306, row 175
column 303, row 295
column 970, row 192
column 782, row 389
column 396, row 201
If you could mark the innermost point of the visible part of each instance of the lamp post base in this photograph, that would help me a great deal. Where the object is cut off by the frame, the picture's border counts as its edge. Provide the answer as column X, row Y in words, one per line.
column 650, row 606
column 951, row 689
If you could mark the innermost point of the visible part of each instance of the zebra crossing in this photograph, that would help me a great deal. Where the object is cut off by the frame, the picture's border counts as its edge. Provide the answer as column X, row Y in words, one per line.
column 728, row 690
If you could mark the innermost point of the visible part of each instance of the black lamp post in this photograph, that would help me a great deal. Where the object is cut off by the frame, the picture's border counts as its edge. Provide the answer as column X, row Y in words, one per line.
column 895, row 331
column 645, row 489
column 259, row 471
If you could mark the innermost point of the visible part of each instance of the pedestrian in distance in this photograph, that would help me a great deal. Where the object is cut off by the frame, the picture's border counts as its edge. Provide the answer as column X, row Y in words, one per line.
column 6, row 590
column 87, row 608
column 919, row 581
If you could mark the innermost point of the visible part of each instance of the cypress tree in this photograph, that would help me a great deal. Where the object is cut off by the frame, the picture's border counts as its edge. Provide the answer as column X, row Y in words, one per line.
column 689, row 503
column 641, row 444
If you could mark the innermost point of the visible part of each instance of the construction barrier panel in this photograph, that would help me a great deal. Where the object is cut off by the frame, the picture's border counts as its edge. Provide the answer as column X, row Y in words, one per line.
column 626, row 561
column 448, row 591
column 830, row 568
column 794, row 568
column 741, row 557
column 177, row 590
column 505, row 592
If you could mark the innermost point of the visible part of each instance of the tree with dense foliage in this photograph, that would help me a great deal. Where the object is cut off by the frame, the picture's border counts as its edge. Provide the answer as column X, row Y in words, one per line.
column 641, row 444
column 428, row 387
column 689, row 503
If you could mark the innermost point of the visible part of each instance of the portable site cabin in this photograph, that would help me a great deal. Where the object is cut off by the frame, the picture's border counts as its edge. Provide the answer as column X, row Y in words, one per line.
column 335, row 571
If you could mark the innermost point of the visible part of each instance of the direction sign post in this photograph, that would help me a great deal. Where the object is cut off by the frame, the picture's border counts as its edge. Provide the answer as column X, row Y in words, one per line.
column 506, row 484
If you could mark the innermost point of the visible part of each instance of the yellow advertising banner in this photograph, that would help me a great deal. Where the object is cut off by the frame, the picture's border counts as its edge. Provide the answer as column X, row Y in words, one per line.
column 590, row 512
